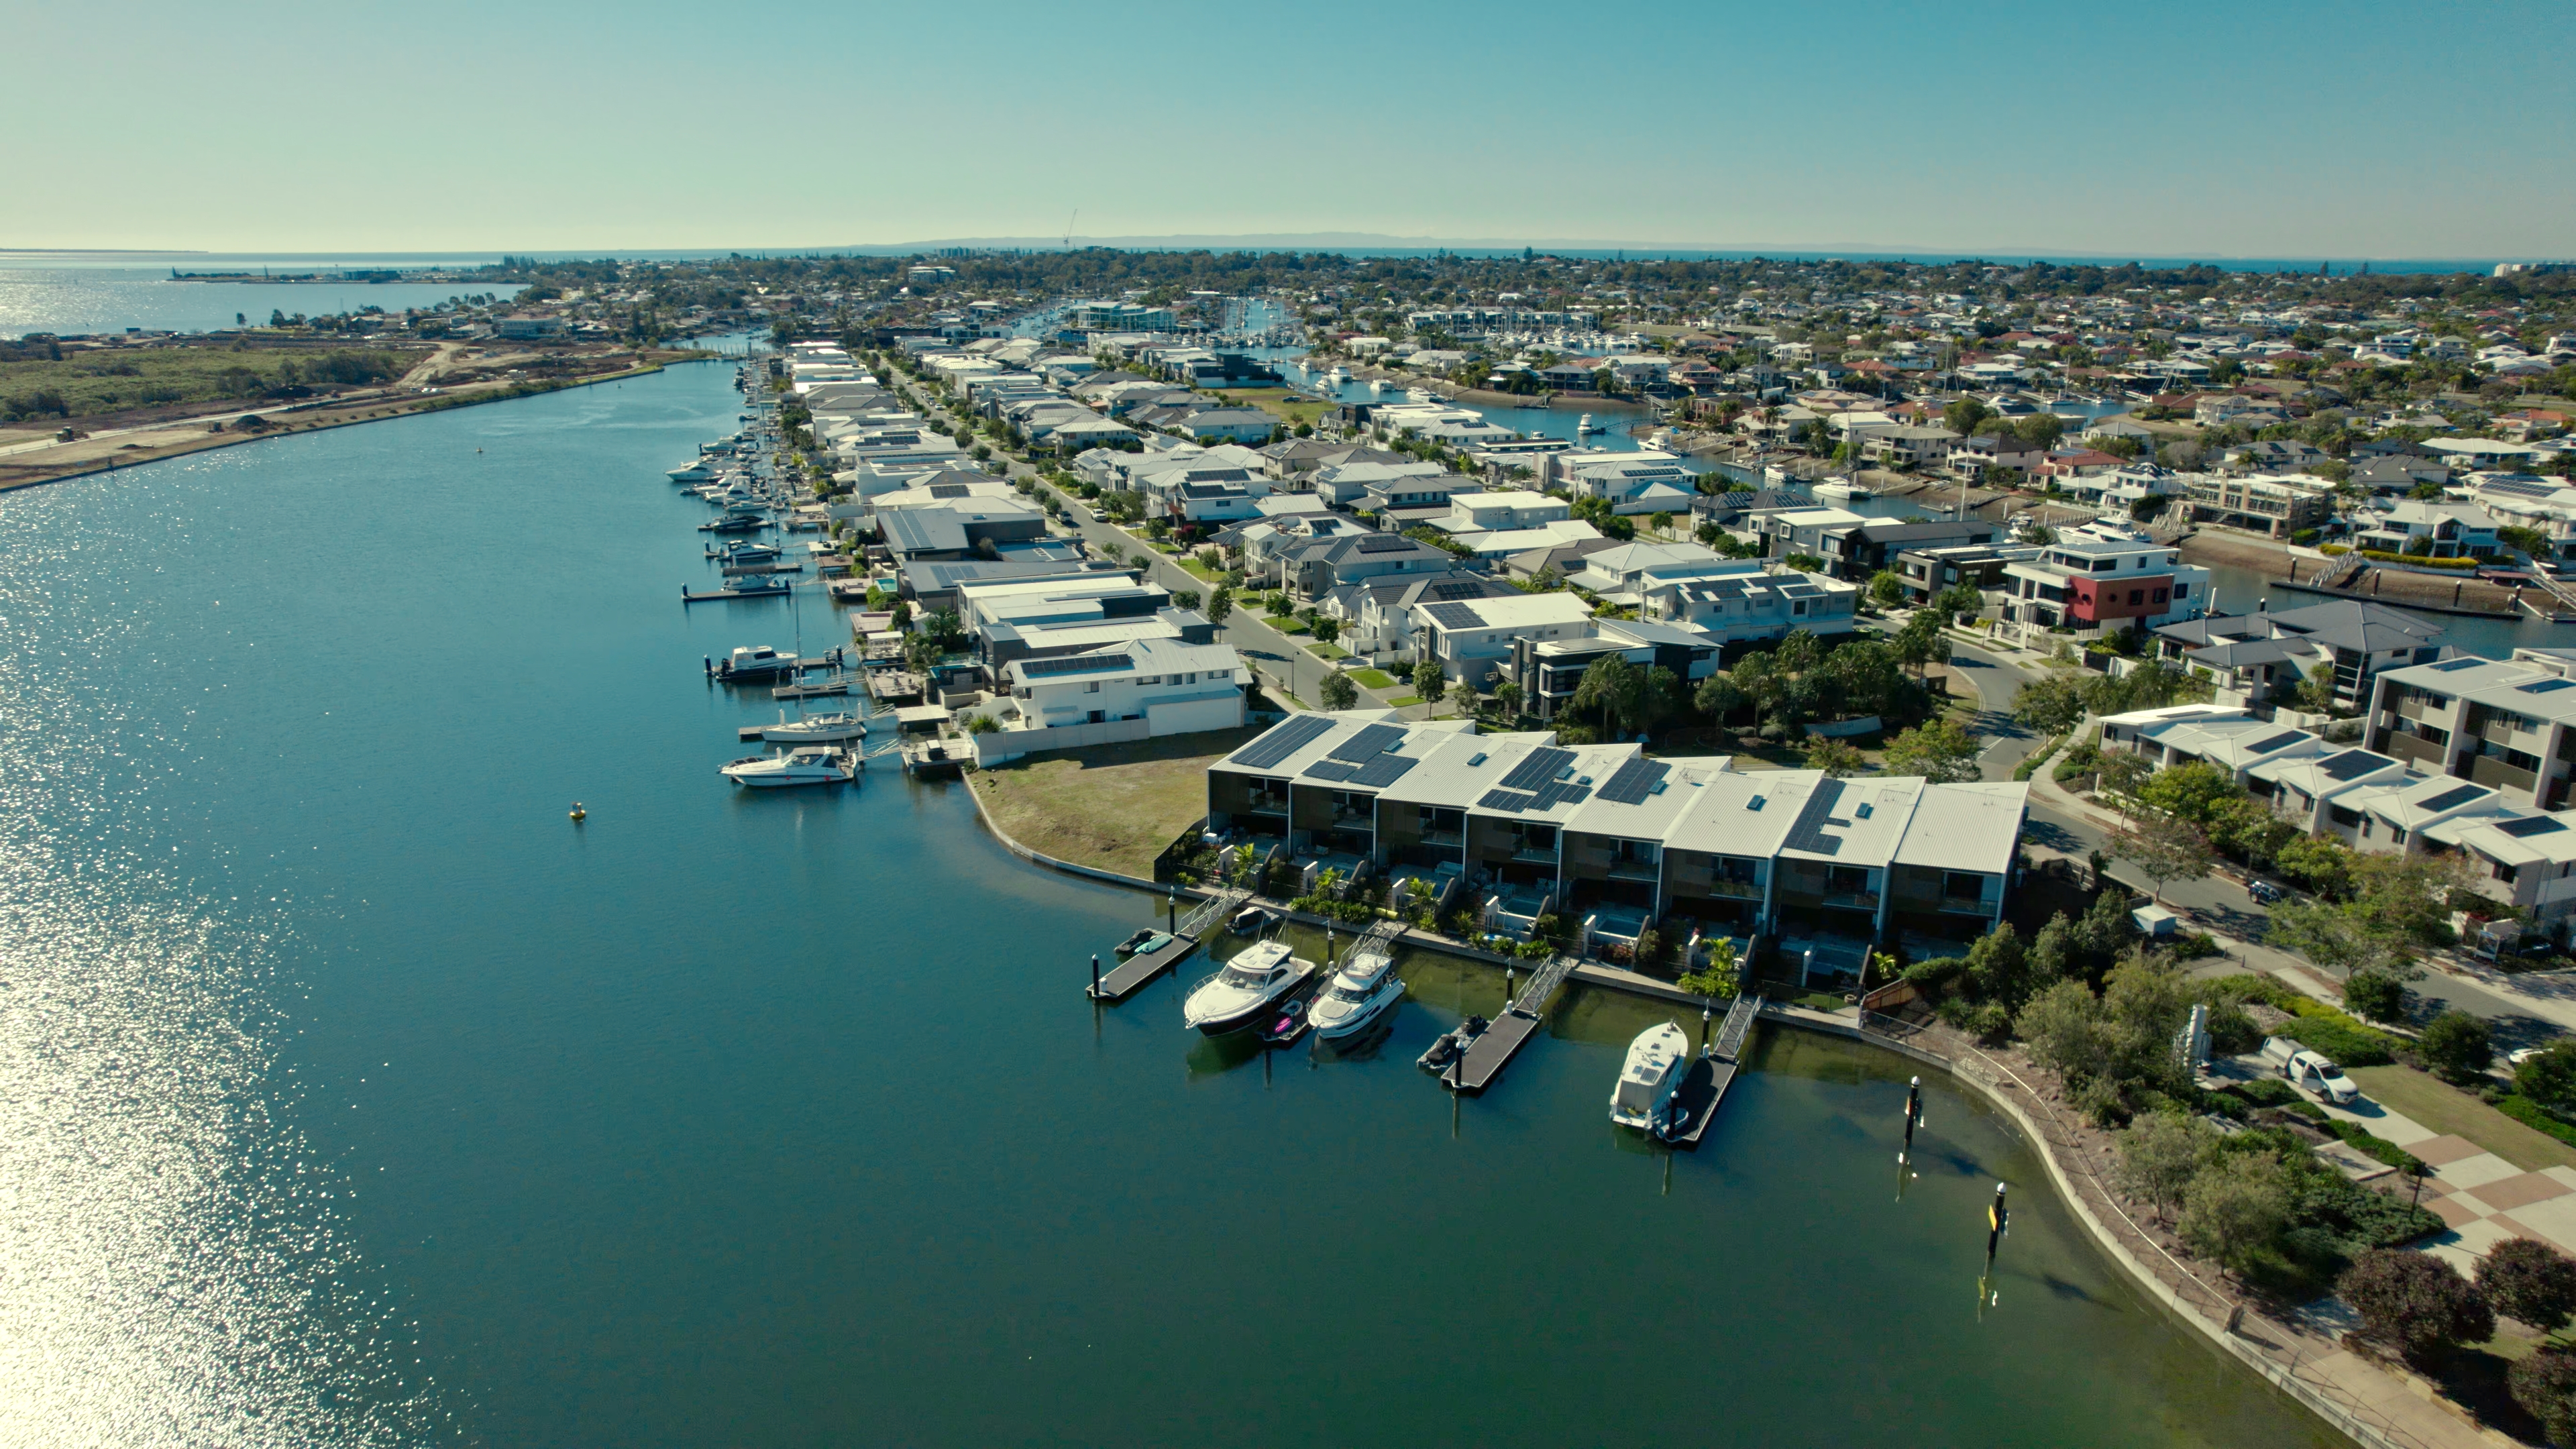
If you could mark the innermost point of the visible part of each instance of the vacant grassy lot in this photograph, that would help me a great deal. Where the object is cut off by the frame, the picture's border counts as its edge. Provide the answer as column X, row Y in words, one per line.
column 1280, row 402
column 88, row 382
column 1113, row 807
column 2445, row 1108
column 1372, row 679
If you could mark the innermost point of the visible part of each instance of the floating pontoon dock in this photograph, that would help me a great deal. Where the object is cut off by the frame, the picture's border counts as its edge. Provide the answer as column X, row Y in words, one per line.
column 1489, row 1053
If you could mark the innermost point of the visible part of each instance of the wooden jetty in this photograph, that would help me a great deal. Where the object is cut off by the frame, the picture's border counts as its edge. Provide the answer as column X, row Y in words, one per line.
column 1705, row 1088
column 1488, row 1054
column 837, row 684
column 1132, row 974
column 738, row 570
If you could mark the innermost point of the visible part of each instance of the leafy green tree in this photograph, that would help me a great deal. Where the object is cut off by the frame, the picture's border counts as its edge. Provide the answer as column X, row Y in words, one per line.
column 2050, row 706
column 1507, row 697
column 1937, row 750
column 1615, row 689
column 2235, row 1209
column 1998, row 966
column 2415, row 1302
column 2526, row 1279
column 2164, row 848
column 2374, row 996
column 1327, row 629
column 1188, row 599
column 1428, row 681
column 1718, row 697
column 1721, row 977
column 1338, row 691
column 2066, row 1030
column 1276, row 604
column 1836, row 758
column 2190, row 792
column 1220, row 605
column 1887, row 588
column 2456, row 1045
column 2550, row 1077
column 2323, row 865
column 2544, row 1383
column 2247, row 828
column 2160, row 1154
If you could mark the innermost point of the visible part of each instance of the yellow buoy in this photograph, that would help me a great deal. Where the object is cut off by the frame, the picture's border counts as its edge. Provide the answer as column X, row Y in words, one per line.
column 578, row 813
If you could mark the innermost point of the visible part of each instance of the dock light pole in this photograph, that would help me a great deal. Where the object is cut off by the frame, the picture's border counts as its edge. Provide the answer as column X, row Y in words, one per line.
column 1996, row 1216
column 1095, row 976
column 1172, row 906
column 1913, row 1114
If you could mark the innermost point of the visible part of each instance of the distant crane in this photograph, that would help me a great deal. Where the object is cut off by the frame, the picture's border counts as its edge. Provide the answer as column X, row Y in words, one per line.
column 1068, row 225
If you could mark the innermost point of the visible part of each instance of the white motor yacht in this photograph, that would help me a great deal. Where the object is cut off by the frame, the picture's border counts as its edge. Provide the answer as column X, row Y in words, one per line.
column 1236, row 996
column 804, row 765
column 698, row 472
column 1357, row 996
column 1843, row 490
column 1657, row 1061
column 819, row 729
column 1584, row 425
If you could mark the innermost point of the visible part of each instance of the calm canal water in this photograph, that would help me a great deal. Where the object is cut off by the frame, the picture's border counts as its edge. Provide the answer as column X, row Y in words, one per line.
column 354, row 1096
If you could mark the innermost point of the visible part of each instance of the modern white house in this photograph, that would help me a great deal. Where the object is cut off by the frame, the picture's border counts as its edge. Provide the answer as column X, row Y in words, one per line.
column 1470, row 639
column 1141, row 688
column 1503, row 510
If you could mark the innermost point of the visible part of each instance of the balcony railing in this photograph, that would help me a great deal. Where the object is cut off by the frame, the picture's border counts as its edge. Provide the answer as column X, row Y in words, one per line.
column 2490, row 771
column 1534, row 854
column 2417, row 748
column 1635, row 870
column 1444, row 837
column 1734, row 890
column 1965, row 906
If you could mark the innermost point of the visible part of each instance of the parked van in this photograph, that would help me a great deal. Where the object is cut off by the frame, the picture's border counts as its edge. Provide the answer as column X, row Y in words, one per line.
column 2306, row 1069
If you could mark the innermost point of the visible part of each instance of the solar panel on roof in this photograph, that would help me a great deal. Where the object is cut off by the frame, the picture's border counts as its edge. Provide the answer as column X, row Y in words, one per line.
column 1633, row 781
column 2448, row 666
column 1374, row 739
column 2545, row 686
column 1807, row 833
column 1285, row 739
column 1454, row 616
column 1387, row 543
column 1074, row 664
column 1537, row 767
column 1512, row 800
column 1328, row 770
column 2276, row 742
column 2529, row 826
column 2450, row 798
column 2353, row 764
column 1453, row 592
column 1383, row 771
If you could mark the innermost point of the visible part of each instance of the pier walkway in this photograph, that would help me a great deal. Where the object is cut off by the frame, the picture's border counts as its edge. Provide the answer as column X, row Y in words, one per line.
column 1135, row 971
column 1713, row 1073
column 1486, row 1057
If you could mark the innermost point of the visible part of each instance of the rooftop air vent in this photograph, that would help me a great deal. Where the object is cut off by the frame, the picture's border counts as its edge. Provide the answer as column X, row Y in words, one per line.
column 1476, row 759
column 1753, row 804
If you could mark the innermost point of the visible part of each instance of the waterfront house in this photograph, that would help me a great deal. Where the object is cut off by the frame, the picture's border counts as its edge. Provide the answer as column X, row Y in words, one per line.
column 1471, row 639
column 2356, row 640
column 2446, row 529
column 2104, row 576
column 1613, row 842
column 1750, row 607
column 2509, row 724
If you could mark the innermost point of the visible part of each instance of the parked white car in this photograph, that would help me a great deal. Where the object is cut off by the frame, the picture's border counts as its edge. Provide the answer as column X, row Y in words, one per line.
column 2307, row 1069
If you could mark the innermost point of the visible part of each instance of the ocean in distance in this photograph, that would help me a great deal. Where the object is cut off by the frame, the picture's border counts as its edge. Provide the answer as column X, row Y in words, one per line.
column 354, row 1096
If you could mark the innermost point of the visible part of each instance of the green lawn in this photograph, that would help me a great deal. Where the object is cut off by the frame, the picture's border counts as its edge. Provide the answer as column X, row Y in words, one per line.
column 1328, row 652
column 2445, row 1108
column 1291, row 625
column 1200, row 571
column 1279, row 402
column 1372, row 679
column 88, row 383
column 1111, row 806
column 1402, row 700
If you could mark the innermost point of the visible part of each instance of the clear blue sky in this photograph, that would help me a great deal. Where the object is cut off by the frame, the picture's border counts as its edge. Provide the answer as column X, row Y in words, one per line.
column 2251, row 128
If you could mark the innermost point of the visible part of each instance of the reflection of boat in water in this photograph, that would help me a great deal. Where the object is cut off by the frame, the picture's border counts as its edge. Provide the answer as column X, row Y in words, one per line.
column 1452, row 1044
column 1250, row 984
column 1657, row 1061
column 1359, row 993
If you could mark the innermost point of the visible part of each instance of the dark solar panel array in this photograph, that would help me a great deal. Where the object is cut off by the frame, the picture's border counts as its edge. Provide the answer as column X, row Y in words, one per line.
column 1373, row 740
column 2353, row 764
column 1387, row 543
column 1537, row 767
column 2545, row 686
column 1454, row 592
column 1074, row 664
column 2515, row 487
column 1383, row 771
column 2265, row 747
column 1561, row 793
column 1286, row 739
column 948, row 490
column 2450, row 798
column 1328, row 770
column 1633, row 781
column 1808, row 833
column 1512, row 800
column 2528, row 826
column 1454, row 616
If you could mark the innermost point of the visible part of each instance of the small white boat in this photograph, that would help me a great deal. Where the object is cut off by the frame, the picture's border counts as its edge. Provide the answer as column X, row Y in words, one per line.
column 697, row 472
column 1657, row 1061
column 1844, row 490
column 804, row 765
column 817, row 729
column 1337, row 376
column 1249, row 984
column 1358, row 995
column 1584, row 425
column 753, row 661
